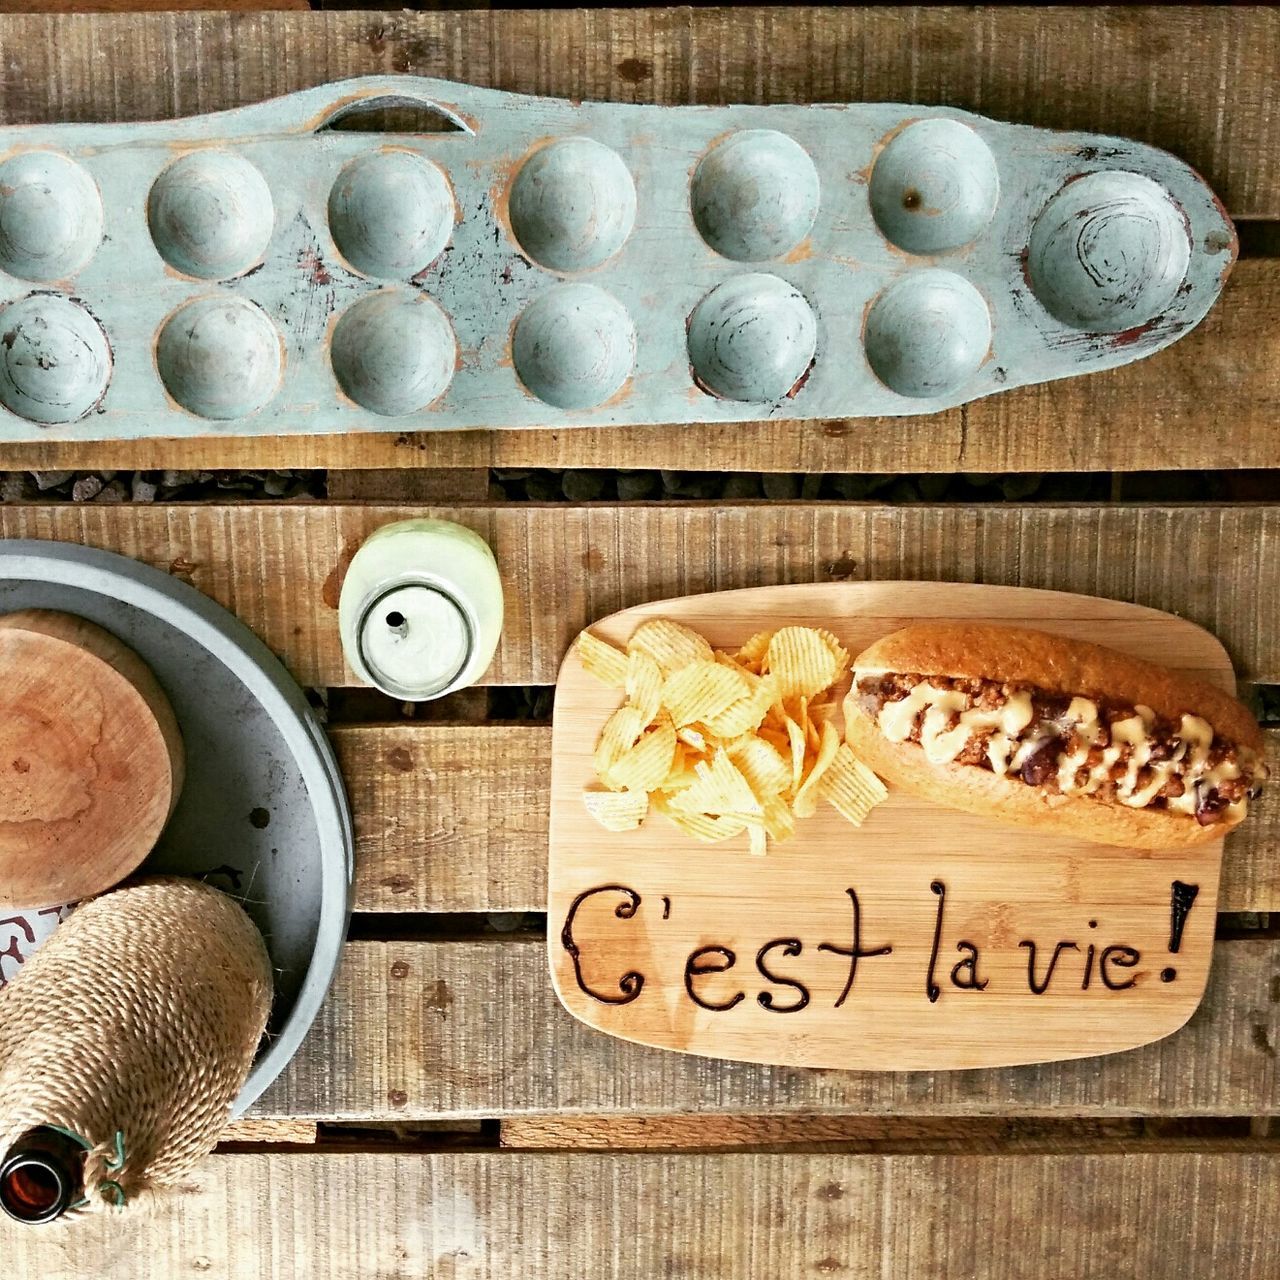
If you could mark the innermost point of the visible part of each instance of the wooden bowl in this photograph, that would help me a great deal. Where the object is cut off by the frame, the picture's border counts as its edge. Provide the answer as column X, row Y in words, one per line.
column 91, row 760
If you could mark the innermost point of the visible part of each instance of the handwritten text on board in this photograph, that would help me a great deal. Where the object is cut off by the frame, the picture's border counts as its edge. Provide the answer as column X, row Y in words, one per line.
column 1111, row 966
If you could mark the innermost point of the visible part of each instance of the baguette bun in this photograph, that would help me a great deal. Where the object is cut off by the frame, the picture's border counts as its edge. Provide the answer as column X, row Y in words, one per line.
column 1036, row 659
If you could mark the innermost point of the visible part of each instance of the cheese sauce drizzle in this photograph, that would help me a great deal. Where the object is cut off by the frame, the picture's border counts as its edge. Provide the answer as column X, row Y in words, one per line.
column 949, row 723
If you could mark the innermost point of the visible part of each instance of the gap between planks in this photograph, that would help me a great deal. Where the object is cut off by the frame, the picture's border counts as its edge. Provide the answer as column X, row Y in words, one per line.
column 820, row 1132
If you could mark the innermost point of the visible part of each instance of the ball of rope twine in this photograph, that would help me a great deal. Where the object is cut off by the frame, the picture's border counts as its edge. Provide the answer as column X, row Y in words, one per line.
column 133, row 1029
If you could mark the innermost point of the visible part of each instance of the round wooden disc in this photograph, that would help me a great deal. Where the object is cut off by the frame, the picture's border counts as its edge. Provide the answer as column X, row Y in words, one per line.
column 91, row 759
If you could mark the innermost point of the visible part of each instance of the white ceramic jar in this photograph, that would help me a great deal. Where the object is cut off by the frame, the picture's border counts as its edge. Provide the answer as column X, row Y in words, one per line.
column 421, row 609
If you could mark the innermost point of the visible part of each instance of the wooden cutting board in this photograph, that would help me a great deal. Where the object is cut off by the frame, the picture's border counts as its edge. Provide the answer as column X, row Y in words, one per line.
column 981, row 945
column 91, row 759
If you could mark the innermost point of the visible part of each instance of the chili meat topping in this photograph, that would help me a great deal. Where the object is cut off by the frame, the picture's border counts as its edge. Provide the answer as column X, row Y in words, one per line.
column 1071, row 745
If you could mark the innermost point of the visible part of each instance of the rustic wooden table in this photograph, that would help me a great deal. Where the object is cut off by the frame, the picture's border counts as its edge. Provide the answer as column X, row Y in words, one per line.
column 446, row 1117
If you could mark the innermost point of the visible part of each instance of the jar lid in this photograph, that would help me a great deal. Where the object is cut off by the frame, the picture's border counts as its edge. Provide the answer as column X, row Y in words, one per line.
column 415, row 641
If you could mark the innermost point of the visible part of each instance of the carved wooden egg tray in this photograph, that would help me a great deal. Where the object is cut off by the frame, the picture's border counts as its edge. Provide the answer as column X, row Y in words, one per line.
column 543, row 262
column 926, row 939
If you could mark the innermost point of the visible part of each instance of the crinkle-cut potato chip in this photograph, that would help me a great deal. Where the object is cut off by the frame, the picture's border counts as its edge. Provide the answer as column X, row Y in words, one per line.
column 617, row 810
column 644, row 682
column 720, row 742
column 851, row 788
column 601, row 660
column 767, row 773
column 719, row 788
column 671, row 645
column 745, row 715
column 801, row 662
column 621, row 732
column 779, row 821
column 647, row 764
column 821, row 709
column 701, row 826
column 799, row 746
column 682, row 775
column 752, row 653
column 805, row 801
column 701, row 691
column 838, row 651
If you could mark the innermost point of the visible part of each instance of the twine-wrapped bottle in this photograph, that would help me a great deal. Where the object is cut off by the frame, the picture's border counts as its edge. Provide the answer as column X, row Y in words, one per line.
column 132, row 1030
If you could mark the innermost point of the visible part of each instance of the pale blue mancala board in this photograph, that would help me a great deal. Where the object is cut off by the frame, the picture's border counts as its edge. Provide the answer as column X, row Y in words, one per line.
column 550, row 263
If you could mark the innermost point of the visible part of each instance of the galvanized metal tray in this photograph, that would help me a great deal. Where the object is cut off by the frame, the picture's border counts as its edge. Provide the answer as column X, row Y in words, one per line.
column 543, row 263
column 263, row 813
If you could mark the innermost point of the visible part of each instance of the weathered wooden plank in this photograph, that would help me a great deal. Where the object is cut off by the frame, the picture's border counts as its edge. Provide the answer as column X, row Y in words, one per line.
column 463, row 1029
column 1210, row 402
column 454, row 818
column 1117, row 70
column 448, row 817
column 276, row 1132
column 133, row 6
column 280, row 566
column 1197, row 1215
column 967, row 1134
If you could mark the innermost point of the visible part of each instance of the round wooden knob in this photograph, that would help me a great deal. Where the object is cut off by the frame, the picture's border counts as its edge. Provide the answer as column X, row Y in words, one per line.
column 91, row 759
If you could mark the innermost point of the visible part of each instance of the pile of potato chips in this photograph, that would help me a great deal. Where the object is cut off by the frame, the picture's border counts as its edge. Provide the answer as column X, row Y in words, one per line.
column 723, row 743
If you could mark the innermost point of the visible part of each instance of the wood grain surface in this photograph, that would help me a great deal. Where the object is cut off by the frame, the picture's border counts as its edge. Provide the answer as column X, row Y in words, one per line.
column 454, row 817
column 159, row 6
column 277, row 1132
column 472, row 1028
column 91, row 759
column 1119, row 70
column 1209, row 403
column 824, row 1132
column 279, row 567
column 862, row 1217
column 906, row 886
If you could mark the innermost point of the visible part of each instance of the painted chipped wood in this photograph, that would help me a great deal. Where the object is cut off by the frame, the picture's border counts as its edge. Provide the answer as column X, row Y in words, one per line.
column 833, row 260
column 280, row 567
column 465, row 1029
column 1204, row 406
column 1209, row 403
column 454, row 817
